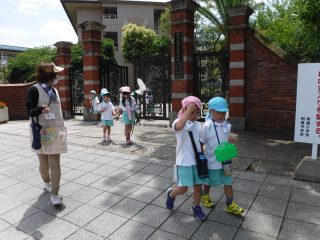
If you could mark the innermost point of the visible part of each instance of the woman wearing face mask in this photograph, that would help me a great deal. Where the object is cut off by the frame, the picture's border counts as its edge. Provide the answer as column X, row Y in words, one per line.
column 43, row 105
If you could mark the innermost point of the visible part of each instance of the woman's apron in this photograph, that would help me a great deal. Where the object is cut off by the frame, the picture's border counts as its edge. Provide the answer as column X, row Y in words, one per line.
column 53, row 132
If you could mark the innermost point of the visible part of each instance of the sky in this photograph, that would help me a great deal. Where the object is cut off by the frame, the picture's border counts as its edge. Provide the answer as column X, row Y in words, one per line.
column 34, row 23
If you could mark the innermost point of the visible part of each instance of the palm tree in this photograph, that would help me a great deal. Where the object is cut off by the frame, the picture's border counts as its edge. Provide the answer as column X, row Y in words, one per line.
column 216, row 12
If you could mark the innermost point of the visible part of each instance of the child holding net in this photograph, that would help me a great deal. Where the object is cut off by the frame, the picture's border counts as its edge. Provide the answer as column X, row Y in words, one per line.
column 215, row 136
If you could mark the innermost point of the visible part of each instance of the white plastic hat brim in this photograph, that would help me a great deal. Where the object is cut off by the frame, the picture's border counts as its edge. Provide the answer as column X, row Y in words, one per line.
column 57, row 69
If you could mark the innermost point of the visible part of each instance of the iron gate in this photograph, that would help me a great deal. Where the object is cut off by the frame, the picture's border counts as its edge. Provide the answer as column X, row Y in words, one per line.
column 77, row 94
column 113, row 77
column 210, row 73
column 155, row 103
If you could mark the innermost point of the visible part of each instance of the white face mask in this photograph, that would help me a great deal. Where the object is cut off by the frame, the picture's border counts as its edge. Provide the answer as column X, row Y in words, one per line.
column 55, row 81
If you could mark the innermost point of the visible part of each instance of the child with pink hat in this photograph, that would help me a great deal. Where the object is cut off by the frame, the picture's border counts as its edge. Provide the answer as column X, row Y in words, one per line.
column 127, row 108
column 186, row 172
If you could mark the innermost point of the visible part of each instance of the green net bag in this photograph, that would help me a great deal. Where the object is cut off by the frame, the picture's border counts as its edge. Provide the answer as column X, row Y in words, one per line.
column 225, row 151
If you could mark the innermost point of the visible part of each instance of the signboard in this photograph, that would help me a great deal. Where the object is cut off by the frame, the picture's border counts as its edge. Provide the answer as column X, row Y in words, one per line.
column 178, row 54
column 307, row 124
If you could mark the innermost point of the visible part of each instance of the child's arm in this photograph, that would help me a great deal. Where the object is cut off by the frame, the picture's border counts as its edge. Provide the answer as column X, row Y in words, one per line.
column 101, row 109
column 182, row 121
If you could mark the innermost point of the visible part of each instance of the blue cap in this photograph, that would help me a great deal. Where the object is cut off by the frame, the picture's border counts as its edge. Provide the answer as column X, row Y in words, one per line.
column 218, row 104
column 104, row 92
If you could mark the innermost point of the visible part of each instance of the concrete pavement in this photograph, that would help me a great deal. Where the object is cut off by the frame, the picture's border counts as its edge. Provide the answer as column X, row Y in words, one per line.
column 116, row 191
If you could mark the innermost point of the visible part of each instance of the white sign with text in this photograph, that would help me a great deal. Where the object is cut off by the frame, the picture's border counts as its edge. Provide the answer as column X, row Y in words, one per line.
column 307, row 124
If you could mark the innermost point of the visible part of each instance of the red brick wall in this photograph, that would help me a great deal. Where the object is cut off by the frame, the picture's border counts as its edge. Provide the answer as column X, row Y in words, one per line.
column 14, row 95
column 270, row 88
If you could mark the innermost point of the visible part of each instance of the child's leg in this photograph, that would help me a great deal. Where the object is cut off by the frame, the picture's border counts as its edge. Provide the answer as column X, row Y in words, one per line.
column 104, row 129
column 229, row 193
column 206, row 189
column 176, row 191
column 172, row 193
column 127, row 132
column 196, row 209
column 232, row 206
column 197, row 194
column 108, row 133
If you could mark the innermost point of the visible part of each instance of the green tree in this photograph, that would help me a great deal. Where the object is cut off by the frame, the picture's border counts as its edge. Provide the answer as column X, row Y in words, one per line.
column 139, row 42
column 215, row 11
column 293, row 26
column 165, row 20
column 22, row 67
column 107, row 50
column 77, row 56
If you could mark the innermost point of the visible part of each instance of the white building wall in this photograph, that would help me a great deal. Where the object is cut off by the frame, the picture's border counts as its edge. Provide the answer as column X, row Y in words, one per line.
column 140, row 14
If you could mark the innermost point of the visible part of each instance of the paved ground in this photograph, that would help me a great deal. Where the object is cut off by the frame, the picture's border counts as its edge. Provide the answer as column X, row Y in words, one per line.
column 117, row 192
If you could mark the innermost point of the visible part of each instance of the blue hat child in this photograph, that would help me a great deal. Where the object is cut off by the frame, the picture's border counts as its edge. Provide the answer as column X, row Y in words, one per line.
column 218, row 104
column 104, row 92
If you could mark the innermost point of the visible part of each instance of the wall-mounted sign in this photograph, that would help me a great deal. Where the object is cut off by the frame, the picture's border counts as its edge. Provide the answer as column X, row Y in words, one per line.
column 307, row 124
column 178, row 54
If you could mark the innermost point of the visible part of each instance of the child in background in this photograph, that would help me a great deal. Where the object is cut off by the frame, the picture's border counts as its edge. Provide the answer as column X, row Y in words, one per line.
column 106, row 109
column 186, row 169
column 94, row 105
column 217, row 130
column 127, row 108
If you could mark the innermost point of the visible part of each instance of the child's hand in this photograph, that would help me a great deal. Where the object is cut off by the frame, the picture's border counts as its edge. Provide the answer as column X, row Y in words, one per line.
column 233, row 138
column 191, row 108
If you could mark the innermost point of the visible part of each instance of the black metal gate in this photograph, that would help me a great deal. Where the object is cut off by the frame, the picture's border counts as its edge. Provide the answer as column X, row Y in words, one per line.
column 77, row 94
column 210, row 73
column 155, row 103
column 113, row 77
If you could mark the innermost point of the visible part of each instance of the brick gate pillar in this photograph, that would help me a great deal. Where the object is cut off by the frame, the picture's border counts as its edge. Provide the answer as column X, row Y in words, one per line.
column 91, row 42
column 64, row 60
column 238, row 23
column 182, row 49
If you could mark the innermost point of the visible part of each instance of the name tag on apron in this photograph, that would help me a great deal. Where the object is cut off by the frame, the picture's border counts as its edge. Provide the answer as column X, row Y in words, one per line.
column 49, row 116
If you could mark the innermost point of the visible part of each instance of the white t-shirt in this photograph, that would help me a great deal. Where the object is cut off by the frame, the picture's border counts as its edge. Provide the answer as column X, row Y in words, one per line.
column 185, row 155
column 127, row 102
column 209, row 138
column 107, row 108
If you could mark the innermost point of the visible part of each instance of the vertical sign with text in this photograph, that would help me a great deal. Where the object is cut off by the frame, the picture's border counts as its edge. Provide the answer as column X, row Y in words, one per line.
column 178, row 54
column 307, row 122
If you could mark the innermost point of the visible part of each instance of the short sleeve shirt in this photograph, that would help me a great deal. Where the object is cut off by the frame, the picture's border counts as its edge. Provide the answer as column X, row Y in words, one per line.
column 208, row 137
column 127, row 102
column 108, row 107
column 185, row 155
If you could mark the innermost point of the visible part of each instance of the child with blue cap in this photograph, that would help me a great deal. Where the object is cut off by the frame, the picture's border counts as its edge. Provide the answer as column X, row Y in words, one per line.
column 214, row 131
column 107, row 111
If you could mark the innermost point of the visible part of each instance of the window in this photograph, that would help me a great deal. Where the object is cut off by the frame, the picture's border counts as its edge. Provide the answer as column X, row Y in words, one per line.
column 157, row 15
column 110, row 13
column 113, row 36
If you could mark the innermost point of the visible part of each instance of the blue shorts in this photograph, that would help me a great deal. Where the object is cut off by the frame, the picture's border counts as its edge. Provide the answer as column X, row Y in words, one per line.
column 217, row 177
column 107, row 123
column 126, row 119
column 188, row 176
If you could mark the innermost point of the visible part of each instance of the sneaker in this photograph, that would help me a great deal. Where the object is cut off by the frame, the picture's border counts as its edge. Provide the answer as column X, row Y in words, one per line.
column 55, row 200
column 47, row 187
column 206, row 201
column 197, row 211
column 108, row 139
column 103, row 141
column 128, row 142
column 170, row 200
column 234, row 208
